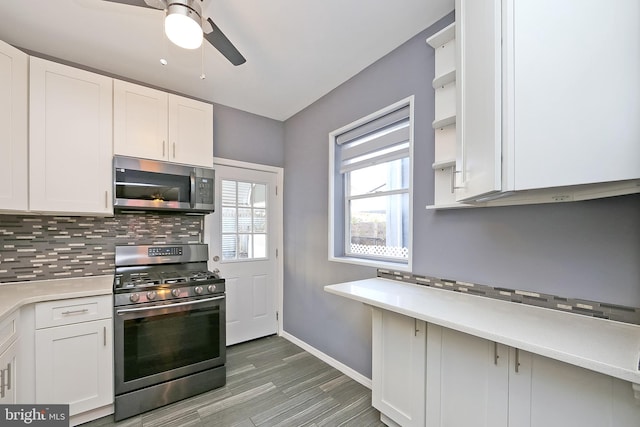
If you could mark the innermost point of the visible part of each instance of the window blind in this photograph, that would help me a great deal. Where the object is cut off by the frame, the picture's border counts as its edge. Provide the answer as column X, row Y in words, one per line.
column 380, row 140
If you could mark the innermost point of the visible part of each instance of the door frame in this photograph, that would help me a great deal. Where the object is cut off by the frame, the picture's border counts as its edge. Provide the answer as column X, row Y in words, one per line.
column 279, row 234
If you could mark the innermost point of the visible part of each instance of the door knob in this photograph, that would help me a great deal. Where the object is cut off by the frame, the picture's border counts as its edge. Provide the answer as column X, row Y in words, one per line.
column 216, row 258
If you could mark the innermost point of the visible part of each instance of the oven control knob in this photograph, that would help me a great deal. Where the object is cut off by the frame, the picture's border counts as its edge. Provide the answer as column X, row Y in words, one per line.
column 134, row 297
column 151, row 295
column 198, row 290
column 175, row 292
column 211, row 288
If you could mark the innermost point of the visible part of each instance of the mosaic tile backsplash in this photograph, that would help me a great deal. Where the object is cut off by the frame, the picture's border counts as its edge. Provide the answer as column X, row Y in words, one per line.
column 53, row 247
column 577, row 306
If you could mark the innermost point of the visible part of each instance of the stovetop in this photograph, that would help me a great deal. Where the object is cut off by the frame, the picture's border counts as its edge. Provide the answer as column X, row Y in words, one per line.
column 160, row 273
column 146, row 279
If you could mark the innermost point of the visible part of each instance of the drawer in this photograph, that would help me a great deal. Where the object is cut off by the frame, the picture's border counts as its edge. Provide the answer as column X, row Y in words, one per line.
column 9, row 330
column 75, row 310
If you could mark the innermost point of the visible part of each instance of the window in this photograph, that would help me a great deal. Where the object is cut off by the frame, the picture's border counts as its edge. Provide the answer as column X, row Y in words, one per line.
column 244, row 220
column 370, row 198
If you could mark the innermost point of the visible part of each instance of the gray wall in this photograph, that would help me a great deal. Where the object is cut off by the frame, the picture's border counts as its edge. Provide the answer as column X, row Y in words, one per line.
column 239, row 135
column 585, row 250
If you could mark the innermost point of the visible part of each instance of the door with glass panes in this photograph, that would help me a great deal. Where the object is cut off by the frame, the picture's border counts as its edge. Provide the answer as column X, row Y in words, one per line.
column 241, row 234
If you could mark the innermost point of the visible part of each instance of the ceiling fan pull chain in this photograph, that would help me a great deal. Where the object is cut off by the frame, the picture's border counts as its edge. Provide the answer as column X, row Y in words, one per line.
column 202, row 75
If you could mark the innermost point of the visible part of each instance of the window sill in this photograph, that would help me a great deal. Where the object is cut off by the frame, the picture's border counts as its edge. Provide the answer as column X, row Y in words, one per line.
column 373, row 263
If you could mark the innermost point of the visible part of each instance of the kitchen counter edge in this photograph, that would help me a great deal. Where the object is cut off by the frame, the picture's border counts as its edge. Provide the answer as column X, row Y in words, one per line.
column 601, row 345
column 14, row 295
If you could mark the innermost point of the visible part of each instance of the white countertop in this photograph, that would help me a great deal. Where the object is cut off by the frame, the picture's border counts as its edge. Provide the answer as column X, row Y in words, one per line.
column 609, row 347
column 13, row 295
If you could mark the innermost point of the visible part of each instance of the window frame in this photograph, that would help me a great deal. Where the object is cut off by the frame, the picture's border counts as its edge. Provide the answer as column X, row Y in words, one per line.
column 338, row 216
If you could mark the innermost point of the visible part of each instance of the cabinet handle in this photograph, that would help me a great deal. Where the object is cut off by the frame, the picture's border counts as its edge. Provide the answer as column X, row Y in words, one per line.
column 2, row 386
column 517, row 364
column 495, row 353
column 163, row 147
column 5, row 380
column 66, row 313
column 106, row 199
column 104, row 330
column 453, row 179
column 174, row 150
column 415, row 327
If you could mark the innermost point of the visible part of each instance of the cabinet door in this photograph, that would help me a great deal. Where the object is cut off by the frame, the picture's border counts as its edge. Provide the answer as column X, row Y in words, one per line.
column 139, row 121
column 190, row 131
column 398, row 367
column 549, row 393
column 467, row 381
column 479, row 105
column 74, row 365
column 8, row 374
column 70, row 135
column 13, row 129
column 575, row 91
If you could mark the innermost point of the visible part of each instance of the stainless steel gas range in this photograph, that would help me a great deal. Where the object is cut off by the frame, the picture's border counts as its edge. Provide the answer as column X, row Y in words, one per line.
column 169, row 326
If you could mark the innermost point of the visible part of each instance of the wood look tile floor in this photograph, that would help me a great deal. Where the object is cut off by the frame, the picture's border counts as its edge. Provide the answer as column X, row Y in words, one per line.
column 270, row 382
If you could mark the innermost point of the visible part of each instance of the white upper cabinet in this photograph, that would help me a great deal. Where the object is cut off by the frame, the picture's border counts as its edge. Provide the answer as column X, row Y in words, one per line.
column 190, row 131
column 13, row 129
column 70, row 136
column 548, row 99
column 139, row 121
column 152, row 124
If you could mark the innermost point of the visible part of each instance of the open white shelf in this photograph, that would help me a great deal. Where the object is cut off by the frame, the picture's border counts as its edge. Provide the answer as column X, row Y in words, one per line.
column 444, row 123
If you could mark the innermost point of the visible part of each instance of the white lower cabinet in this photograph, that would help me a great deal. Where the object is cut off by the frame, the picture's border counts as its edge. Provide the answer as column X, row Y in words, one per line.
column 466, row 384
column 74, row 353
column 547, row 393
column 9, row 348
column 398, row 368
column 8, row 378
column 473, row 381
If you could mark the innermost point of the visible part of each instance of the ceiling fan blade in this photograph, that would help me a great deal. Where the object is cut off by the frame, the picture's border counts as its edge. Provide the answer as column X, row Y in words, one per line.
column 152, row 4
column 218, row 40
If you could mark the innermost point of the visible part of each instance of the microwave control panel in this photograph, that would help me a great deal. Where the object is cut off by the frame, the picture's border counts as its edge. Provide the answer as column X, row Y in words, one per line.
column 204, row 190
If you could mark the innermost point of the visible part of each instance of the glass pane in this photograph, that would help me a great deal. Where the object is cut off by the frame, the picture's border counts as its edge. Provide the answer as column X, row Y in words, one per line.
column 244, row 213
column 259, row 221
column 259, row 245
column 245, row 250
column 259, row 196
column 244, row 220
column 228, row 193
column 388, row 176
column 244, row 193
column 229, row 220
column 229, row 249
column 379, row 226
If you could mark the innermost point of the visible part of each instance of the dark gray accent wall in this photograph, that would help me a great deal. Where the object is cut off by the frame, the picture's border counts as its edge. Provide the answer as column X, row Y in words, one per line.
column 588, row 250
column 238, row 135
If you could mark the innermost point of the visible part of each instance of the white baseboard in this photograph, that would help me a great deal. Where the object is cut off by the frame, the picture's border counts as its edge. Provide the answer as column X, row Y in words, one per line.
column 354, row 375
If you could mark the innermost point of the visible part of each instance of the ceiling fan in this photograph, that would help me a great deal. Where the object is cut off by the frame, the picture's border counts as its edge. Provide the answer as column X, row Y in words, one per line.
column 186, row 26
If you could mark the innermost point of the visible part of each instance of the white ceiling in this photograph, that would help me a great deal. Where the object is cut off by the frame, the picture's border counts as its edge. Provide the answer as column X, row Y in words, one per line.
column 296, row 50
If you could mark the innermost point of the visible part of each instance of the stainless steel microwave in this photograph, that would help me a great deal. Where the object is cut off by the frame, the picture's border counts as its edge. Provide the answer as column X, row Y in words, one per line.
column 141, row 184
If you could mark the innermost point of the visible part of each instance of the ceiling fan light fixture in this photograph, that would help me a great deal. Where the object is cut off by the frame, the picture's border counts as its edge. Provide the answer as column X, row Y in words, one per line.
column 183, row 23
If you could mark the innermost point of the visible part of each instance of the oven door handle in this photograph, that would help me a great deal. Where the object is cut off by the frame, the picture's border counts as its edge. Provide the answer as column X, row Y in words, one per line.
column 158, row 307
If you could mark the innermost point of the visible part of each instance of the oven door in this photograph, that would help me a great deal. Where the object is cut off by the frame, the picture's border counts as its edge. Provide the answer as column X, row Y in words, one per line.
column 158, row 343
